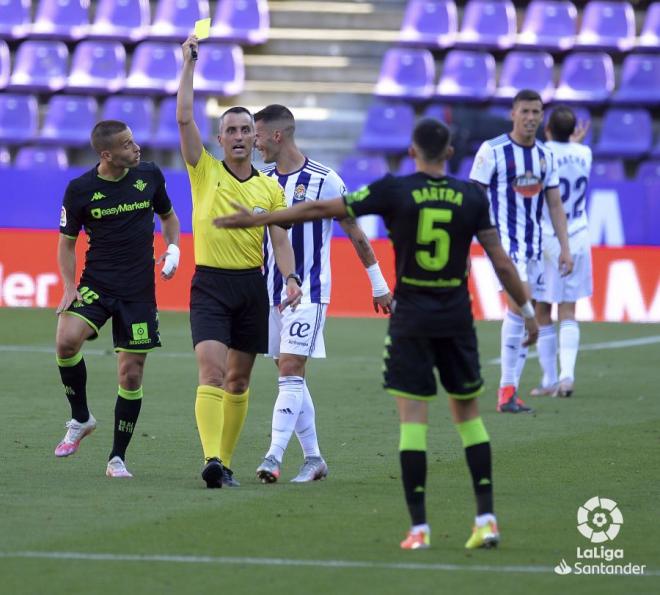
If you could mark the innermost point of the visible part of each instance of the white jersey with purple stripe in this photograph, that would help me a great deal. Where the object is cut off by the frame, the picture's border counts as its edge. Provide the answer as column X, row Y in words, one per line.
column 311, row 240
column 516, row 179
column 574, row 166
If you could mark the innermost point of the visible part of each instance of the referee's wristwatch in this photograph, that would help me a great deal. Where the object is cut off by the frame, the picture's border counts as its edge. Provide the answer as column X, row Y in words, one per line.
column 295, row 277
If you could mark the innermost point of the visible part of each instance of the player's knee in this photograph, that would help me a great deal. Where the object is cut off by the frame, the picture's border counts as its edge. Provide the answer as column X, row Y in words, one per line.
column 292, row 366
column 236, row 384
column 211, row 376
column 130, row 375
column 66, row 345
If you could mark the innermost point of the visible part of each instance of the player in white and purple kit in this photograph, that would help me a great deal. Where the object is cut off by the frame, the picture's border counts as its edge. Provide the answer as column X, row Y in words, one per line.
column 574, row 166
column 295, row 335
column 519, row 174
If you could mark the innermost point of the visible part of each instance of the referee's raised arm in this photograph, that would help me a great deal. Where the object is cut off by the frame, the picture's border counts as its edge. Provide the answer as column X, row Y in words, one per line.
column 191, row 140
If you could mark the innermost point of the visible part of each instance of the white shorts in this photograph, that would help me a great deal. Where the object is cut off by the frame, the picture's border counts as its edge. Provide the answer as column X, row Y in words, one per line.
column 579, row 283
column 532, row 273
column 299, row 332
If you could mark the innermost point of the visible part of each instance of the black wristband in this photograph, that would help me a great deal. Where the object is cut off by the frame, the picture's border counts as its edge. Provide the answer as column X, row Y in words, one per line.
column 296, row 278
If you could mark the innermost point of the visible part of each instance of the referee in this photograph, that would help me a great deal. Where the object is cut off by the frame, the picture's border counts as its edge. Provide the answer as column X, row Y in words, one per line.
column 228, row 297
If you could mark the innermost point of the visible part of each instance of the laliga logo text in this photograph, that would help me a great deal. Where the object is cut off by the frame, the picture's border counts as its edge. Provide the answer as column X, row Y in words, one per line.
column 599, row 520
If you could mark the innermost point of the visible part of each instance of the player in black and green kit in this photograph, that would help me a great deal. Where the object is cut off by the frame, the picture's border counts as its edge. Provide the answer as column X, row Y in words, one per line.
column 431, row 219
column 115, row 202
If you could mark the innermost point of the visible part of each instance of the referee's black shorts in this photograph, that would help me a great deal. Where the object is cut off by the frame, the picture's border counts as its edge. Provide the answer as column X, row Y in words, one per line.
column 230, row 306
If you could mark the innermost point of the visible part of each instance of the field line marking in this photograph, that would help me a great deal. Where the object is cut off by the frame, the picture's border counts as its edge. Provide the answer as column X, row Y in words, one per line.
column 251, row 561
column 596, row 346
column 177, row 354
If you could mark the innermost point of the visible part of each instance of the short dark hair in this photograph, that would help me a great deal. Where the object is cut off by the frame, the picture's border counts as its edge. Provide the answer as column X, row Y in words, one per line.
column 562, row 123
column 431, row 137
column 274, row 112
column 237, row 109
column 527, row 95
column 102, row 133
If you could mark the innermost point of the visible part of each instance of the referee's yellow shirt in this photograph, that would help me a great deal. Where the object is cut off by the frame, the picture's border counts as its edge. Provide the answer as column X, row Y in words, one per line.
column 213, row 188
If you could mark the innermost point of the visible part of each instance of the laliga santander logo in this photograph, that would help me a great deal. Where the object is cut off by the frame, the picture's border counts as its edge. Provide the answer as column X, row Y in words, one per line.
column 599, row 519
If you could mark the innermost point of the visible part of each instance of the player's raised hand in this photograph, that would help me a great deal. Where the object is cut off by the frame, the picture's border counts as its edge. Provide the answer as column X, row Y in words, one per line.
column 242, row 218
column 171, row 258
column 189, row 48
column 580, row 131
column 384, row 302
column 71, row 294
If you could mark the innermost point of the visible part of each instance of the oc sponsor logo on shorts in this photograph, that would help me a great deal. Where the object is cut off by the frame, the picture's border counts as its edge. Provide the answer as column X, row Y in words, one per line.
column 300, row 329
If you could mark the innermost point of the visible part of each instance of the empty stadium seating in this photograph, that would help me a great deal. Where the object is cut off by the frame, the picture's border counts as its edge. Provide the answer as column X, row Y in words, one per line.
column 97, row 66
column 61, row 19
column 220, row 69
column 137, row 112
column 155, row 68
column 69, row 120
column 586, row 77
column 128, row 20
column 467, row 75
column 625, row 133
column 40, row 66
column 15, row 21
column 526, row 70
column 407, row 73
column 640, row 80
column 19, row 118
column 487, row 24
column 430, row 23
column 387, row 128
column 607, row 25
column 174, row 20
column 549, row 25
column 35, row 158
column 241, row 21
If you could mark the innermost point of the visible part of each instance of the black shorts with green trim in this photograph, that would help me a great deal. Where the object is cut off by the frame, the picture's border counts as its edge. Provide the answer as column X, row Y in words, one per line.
column 134, row 324
column 230, row 306
column 410, row 361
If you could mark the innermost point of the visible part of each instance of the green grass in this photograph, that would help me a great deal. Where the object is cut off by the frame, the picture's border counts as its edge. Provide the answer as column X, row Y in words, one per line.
column 602, row 442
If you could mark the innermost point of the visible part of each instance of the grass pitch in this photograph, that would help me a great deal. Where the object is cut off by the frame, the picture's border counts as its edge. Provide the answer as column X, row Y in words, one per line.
column 163, row 532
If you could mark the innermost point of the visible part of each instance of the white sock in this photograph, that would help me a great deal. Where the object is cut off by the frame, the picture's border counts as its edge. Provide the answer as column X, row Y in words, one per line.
column 285, row 414
column 415, row 529
column 569, row 341
column 306, row 426
column 520, row 365
column 484, row 519
column 513, row 328
column 547, row 348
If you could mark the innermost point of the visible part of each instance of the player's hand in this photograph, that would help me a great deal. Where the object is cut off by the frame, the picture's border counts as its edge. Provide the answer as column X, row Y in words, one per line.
column 384, row 302
column 565, row 263
column 532, row 328
column 71, row 294
column 242, row 218
column 190, row 48
column 171, row 258
column 581, row 129
column 293, row 296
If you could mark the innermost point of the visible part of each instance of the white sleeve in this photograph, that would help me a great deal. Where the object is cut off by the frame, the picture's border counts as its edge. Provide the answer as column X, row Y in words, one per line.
column 552, row 179
column 588, row 158
column 333, row 187
column 483, row 165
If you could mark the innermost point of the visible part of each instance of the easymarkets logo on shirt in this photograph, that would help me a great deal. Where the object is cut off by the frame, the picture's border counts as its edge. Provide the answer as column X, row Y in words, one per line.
column 119, row 209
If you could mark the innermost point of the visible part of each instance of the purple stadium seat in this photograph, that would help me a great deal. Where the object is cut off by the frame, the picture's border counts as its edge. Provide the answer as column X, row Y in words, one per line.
column 242, row 21
column 406, row 166
column 98, row 67
column 19, row 116
column 41, row 158
column 155, row 68
column 649, row 38
column 137, row 112
column 607, row 25
column 220, row 69
column 175, row 19
column 586, row 77
column 640, row 80
column 407, row 73
column 388, row 127
column 464, row 168
column 526, row 70
column 607, row 170
column 358, row 170
column 121, row 20
column 431, row 23
column 549, row 25
column 40, row 66
column 167, row 131
column 15, row 21
column 488, row 24
column 5, row 157
column 625, row 133
column 468, row 76
column 5, row 64
column 61, row 19
column 437, row 111
column 649, row 172
column 69, row 120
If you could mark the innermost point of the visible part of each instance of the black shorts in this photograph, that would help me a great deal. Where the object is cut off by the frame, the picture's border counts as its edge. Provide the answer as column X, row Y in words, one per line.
column 409, row 363
column 231, row 307
column 134, row 324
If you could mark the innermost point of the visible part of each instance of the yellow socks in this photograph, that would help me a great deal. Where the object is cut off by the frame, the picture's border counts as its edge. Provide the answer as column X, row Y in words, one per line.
column 210, row 418
column 235, row 411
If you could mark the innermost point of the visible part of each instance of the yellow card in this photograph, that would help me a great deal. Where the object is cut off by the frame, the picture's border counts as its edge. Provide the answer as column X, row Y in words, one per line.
column 202, row 28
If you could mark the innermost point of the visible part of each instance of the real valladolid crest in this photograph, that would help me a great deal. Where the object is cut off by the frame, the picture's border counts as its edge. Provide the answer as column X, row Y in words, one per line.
column 599, row 520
